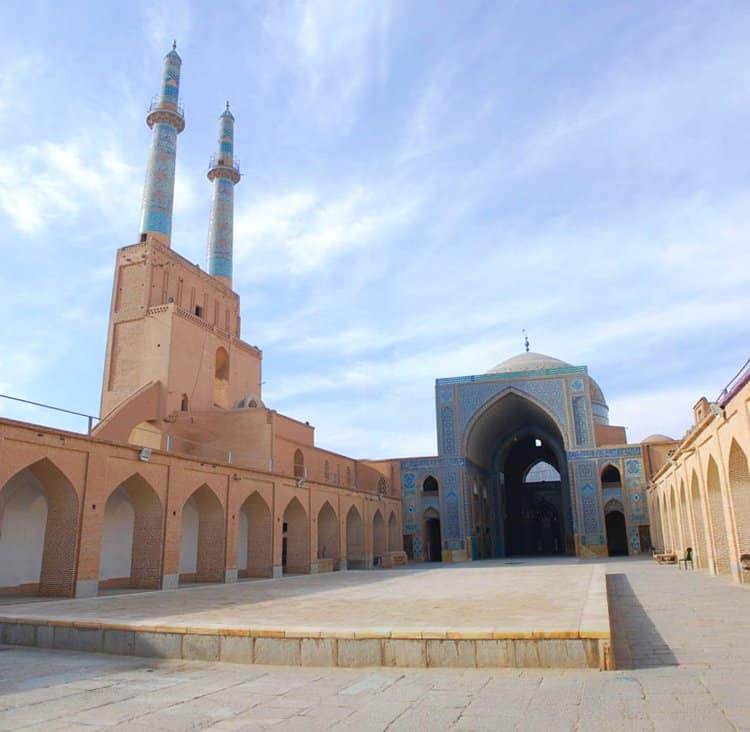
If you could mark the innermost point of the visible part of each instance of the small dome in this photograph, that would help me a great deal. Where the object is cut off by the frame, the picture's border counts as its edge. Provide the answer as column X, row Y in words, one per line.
column 250, row 401
column 659, row 438
column 528, row 362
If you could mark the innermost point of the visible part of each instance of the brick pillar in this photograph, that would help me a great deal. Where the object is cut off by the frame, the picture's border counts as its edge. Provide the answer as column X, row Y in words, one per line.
column 92, row 519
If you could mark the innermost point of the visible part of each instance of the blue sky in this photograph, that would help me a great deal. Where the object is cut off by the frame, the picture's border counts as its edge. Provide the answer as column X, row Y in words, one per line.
column 421, row 181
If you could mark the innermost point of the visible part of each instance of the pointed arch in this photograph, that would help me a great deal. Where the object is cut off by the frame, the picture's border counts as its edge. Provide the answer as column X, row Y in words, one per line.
column 328, row 532
column 541, row 472
column 394, row 535
column 131, row 546
column 378, row 534
column 202, row 538
column 355, row 551
column 491, row 412
column 699, row 526
column 739, row 488
column 255, row 538
column 430, row 486
column 39, row 524
column 295, row 556
column 718, row 522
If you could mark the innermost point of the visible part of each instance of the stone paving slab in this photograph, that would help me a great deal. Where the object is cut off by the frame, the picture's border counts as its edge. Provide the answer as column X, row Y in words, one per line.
column 519, row 614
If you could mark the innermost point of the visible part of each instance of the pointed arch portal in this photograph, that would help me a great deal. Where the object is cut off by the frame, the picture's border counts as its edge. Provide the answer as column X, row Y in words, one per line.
column 508, row 439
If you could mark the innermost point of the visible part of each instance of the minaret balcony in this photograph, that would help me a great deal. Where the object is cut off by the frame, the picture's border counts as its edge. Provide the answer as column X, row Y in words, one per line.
column 224, row 168
column 163, row 112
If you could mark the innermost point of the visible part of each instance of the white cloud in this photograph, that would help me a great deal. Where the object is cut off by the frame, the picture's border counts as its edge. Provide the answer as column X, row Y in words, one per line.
column 57, row 182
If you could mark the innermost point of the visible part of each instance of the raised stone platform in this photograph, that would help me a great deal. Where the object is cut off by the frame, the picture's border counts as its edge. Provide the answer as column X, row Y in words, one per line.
column 501, row 613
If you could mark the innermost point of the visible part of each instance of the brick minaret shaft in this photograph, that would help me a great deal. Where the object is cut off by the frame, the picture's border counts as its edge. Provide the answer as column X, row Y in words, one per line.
column 166, row 120
column 224, row 173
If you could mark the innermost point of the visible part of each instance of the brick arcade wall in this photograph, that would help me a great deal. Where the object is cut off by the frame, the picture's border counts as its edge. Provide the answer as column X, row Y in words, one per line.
column 704, row 489
column 80, row 473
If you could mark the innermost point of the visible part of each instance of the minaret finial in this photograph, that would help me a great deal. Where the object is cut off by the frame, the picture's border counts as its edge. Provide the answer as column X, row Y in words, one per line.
column 525, row 340
column 227, row 105
column 174, row 45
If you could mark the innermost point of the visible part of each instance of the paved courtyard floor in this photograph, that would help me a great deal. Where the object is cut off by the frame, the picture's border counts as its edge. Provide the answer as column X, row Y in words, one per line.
column 682, row 643
column 496, row 595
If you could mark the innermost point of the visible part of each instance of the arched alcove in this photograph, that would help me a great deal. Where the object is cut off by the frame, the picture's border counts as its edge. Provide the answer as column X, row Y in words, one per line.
column 701, row 549
column 378, row 534
column 299, row 464
column 328, row 533
column 739, row 486
column 355, row 552
column 255, row 538
column 611, row 477
column 131, row 547
column 433, row 540
column 430, row 486
column 295, row 558
column 202, row 539
column 39, row 515
column 221, row 379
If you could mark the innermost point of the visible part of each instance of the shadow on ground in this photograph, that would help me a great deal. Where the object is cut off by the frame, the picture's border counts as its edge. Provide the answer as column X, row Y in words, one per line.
column 637, row 642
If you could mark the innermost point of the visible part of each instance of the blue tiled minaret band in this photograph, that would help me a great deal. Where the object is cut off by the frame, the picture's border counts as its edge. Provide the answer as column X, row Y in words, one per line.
column 166, row 120
column 224, row 173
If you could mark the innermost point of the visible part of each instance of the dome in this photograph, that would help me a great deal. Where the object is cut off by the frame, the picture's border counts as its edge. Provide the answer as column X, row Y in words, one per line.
column 529, row 362
column 659, row 438
column 597, row 395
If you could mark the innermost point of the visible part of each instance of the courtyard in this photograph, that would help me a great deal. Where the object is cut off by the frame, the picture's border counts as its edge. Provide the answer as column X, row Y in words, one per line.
column 680, row 642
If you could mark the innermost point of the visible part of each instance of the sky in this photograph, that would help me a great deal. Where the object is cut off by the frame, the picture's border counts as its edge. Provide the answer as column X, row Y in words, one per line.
column 421, row 182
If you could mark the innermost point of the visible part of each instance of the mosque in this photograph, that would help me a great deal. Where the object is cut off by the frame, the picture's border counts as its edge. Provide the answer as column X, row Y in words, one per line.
column 189, row 476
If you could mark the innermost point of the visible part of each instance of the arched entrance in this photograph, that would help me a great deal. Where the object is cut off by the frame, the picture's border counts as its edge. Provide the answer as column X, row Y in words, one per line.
column 38, row 531
column 617, row 537
column 433, row 543
column 202, row 539
column 526, row 509
column 255, row 538
column 355, row 553
column 295, row 553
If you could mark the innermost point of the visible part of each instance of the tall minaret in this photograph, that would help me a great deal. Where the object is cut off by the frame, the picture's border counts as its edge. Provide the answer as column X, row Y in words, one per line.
column 166, row 120
column 224, row 173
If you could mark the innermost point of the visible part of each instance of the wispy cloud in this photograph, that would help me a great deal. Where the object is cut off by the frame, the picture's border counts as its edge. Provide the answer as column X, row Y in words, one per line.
column 167, row 20
column 300, row 232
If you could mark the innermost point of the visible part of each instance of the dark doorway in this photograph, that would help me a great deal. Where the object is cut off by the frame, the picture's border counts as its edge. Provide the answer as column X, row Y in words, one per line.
column 533, row 500
column 433, row 545
column 617, row 538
